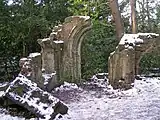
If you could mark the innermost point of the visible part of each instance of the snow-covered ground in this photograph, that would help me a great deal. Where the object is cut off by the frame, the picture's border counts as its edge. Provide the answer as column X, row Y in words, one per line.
column 90, row 102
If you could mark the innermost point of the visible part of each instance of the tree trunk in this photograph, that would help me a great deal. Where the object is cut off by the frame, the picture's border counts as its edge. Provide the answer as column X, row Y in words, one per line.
column 117, row 18
column 148, row 16
column 24, row 48
column 133, row 16
column 143, row 15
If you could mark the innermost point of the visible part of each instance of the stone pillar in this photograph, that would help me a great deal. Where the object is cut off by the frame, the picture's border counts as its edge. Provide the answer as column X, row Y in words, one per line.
column 31, row 67
column 61, row 51
column 121, row 68
column 124, row 61
column 52, row 56
column 138, row 56
column 47, row 51
column 58, row 53
column 73, row 32
column 36, row 65
column 25, row 67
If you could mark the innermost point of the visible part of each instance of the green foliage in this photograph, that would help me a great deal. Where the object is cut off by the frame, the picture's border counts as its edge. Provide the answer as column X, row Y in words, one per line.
column 96, row 48
column 152, row 60
column 22, row 23
column 25, row 21
column 158, row 18
column 100, row 41
column 96, row 9
column 149, row 61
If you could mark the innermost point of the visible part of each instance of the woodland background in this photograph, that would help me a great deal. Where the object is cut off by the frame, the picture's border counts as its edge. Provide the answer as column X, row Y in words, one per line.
column 22, row 22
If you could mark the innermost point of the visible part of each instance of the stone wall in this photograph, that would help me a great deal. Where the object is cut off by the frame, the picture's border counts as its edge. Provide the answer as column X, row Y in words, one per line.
column 61, row 51
column 60, row 57
column 124, row 61
column 31, row 67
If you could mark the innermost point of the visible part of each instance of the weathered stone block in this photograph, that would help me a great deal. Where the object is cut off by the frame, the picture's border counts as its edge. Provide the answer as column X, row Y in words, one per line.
column 25, row 66
column 31, row 67
column 36, row 68
column 41, row 103
column 47, row 51
column 50, row 81
column 123, row 63
column 61, row 50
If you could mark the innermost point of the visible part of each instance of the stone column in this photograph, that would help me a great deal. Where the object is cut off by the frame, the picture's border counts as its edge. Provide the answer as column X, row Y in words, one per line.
column 47, row 51
column 121, row 68
column 52, row 56
column 31, row 67
column 36, row 65
column 124, row 61
column 58, row 53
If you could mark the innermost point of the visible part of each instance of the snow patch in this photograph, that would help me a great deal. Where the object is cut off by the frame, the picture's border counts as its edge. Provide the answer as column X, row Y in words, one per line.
column 31, row 55
column 47, row 77
column 58, row 41
column 45, row 109
column 67, row 86
column 85, row 17
column 149, row 34
column 24, row 59
column 130, row 92
column 45, row 39
column 142, row 100
column 2, row 93
column 130, row 39
column 134, row 39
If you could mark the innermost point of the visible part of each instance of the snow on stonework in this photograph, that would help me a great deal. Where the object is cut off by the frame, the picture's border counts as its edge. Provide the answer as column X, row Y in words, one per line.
column 34, row 54
column 127, row 55
column 139, row 103
column 47, row 77
column 45, row 39
column 50, row 81
column 136, row 38
column 67, row 86
column 58, row 41
column 130, row 39
column 99, row 80
column 26, row 93
column 85, row 17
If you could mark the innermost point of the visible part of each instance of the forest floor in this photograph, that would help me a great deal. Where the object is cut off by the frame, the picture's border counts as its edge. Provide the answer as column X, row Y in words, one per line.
column 96, row 100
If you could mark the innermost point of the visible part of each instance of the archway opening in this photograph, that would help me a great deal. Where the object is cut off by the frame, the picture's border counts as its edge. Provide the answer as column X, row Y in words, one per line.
column 150, row 63
column 96, row 47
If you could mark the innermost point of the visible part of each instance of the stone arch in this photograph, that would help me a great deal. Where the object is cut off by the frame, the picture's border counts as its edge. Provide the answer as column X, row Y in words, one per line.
column 147, row 51
column 124, row 61
column 72, row 50
column 149, row 44
column 61, row 51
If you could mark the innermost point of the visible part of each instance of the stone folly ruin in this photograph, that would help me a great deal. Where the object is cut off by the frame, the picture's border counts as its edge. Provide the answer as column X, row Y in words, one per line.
column 60, row 57
column 60, row 60
column 61, row 51
column 40, row 73
column 124, row 61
